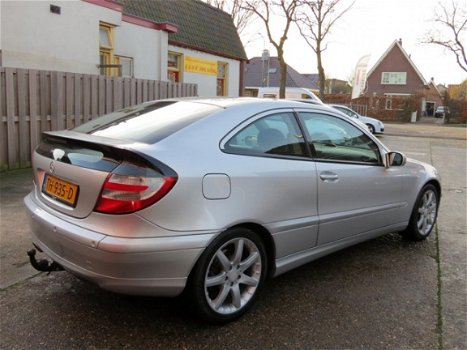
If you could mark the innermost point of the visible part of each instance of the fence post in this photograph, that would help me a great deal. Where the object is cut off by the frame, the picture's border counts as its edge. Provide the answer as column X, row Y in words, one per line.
column 77, row 99
column 56, row 101
column 44, row 101
column 86, row 97
column 94, row 96
column 23, row 130
column 117, row 95
column 10, row 74
column 101, row 94
column 33, row 129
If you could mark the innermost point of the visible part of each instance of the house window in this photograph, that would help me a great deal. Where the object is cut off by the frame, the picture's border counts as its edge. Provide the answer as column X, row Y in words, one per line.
column 222, row 69
column 126, row 66
column 394, row 78
column 106, row 46
column 174, row 67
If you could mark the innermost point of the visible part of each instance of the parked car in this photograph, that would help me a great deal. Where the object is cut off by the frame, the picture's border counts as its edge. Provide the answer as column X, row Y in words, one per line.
column 290, row 93
column 355, row 120
column 214, row 196
column 441, row 111
column 375, row 126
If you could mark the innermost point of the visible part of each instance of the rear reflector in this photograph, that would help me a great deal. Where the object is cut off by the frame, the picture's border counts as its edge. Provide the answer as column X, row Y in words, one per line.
column 131, row 187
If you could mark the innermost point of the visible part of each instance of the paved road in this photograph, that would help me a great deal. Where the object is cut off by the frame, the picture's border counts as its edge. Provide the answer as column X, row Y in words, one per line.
column 384, row 294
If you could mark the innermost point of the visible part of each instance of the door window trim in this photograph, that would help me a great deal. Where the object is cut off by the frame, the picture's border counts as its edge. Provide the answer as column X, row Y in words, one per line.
column 339, row 161
column 310, row 153
column 222, row 145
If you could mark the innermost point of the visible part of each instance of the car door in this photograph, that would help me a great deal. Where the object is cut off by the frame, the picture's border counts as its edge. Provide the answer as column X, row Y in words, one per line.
column 356, row 193
column 274, row 179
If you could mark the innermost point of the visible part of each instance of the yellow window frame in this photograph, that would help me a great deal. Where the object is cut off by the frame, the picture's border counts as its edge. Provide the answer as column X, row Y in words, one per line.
column 106, row 51
column 223, row 79
column 175, row 70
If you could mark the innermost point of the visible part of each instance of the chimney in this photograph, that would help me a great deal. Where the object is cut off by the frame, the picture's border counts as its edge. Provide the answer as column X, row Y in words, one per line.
column 400, row 41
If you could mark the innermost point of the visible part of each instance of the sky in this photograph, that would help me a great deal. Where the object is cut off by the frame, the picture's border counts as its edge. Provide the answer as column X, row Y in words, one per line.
column 368, row 28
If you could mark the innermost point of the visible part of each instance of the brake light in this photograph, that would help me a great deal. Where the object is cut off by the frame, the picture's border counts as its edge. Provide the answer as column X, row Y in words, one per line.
column 131, row 187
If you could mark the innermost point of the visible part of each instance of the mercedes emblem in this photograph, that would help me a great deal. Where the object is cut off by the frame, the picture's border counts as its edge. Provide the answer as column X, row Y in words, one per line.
column 52, row 167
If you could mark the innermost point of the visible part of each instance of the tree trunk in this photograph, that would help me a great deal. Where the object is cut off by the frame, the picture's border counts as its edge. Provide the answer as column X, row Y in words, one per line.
column 321, row 76
column 283, row 73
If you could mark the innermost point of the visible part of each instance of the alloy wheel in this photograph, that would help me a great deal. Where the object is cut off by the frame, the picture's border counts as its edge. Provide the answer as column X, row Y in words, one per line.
column 233, row 275
column 427, row 212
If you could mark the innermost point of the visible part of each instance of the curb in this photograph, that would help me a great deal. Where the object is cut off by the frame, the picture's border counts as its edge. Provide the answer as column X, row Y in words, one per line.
column 425, row 136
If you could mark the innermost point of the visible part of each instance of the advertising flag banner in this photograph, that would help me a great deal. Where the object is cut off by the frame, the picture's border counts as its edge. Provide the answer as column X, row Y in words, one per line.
column 359, row 80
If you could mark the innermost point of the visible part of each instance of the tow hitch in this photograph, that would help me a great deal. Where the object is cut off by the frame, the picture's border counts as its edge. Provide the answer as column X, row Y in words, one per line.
column 43, row 264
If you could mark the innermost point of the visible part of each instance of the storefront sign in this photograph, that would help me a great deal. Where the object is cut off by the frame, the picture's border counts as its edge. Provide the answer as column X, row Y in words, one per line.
column 200, row 66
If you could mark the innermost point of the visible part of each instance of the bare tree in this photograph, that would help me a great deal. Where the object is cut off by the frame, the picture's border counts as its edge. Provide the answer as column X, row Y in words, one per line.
column 315, row 21
column 264, row 10
column 454, row 20
column 237, row 10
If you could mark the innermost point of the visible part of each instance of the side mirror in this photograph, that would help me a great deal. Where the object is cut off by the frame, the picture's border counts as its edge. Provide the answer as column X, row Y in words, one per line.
column 394, row 159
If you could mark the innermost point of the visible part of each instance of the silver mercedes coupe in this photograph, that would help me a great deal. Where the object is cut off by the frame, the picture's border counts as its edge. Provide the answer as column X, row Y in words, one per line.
column 214, row 196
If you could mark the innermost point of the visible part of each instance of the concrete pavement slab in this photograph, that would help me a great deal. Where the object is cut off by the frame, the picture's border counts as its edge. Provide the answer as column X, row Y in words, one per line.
column 448, row 154
column 14, row 237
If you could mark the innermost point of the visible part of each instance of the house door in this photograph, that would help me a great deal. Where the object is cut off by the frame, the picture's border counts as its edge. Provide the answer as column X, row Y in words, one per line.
column 430, row 109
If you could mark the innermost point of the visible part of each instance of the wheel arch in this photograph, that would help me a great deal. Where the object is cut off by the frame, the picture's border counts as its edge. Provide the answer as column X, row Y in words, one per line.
column 268, row 241
column 195, row 287
column 371, row 127
column 437, row 186
column 263, row 234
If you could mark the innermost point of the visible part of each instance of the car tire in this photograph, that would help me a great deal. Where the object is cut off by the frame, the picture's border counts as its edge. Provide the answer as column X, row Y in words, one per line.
column 423, row 218
column 371, row 128
column 228, row 276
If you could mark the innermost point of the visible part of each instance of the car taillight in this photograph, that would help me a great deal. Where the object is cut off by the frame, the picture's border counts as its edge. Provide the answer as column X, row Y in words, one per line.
column 131, row 187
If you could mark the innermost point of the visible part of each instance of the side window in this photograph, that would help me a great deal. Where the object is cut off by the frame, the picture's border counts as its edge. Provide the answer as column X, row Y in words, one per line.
column 332, row 138
column 126, row 66
column 174, row 67
column 222, row 78
column 106, row 48
column 276, row 134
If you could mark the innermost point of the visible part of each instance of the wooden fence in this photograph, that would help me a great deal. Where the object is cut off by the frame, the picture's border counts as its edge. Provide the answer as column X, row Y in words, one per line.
column 33, row 101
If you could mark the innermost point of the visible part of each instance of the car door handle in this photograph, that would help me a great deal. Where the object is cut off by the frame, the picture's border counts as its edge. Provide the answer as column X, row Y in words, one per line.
column 327, row 176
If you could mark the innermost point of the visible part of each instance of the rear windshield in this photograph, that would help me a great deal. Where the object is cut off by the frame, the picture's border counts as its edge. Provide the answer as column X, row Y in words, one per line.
column 148, row 122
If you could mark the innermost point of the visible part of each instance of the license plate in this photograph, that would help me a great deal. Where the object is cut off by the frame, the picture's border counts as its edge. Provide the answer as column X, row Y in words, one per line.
column 60, row 190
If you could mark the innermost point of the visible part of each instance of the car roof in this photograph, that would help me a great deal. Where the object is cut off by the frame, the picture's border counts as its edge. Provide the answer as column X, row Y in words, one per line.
column 227, row 102
column 338, row 105
column 117, row 124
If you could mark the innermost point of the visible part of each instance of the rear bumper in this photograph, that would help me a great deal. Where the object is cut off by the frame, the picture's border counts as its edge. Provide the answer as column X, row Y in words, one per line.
column 157, row 266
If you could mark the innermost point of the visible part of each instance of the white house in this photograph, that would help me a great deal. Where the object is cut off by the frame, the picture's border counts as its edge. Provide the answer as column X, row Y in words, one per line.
column 182, row 41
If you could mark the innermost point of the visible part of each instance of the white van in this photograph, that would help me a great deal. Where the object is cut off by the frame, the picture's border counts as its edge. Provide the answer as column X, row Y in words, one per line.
column 291, row 93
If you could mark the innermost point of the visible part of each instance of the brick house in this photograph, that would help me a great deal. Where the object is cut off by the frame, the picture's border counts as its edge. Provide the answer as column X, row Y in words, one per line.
column 395, row 78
